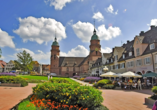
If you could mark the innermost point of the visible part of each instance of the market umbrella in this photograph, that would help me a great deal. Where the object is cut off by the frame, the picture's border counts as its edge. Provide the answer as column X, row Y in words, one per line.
column 130, row 74
column 151, row 74
column 109, row 74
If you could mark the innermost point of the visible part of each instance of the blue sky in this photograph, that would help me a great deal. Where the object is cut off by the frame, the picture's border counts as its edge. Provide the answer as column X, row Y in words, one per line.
column 30, row 25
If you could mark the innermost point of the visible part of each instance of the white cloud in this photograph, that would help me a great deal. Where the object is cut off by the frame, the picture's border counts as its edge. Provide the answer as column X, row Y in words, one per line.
column 106, row 50
column 40, row 29
column 98, row 16
column 153, row 22
column 79, row 51
column 84, row 31
column 70, row 22
column 110, row 9
column 58, row 4
column 107, row 34
column 6, row 39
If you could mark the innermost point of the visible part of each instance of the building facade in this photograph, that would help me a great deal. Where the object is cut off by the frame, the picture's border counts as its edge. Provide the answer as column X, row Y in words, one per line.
column 69, row 66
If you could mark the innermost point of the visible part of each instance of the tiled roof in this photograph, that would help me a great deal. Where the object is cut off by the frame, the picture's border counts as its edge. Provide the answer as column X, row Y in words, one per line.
column 128, row 48
column 2, row 63
column 70, row 61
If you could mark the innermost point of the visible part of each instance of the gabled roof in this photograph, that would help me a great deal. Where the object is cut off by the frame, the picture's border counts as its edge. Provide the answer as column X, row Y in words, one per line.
column 128, row 48
column 2, row 63
column 70, row 61
column 141, row 38
column 107, row 55
column 119, row 49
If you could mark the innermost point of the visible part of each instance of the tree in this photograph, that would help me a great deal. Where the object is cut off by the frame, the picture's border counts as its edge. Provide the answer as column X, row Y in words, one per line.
column 24, row 62
column 0, row 52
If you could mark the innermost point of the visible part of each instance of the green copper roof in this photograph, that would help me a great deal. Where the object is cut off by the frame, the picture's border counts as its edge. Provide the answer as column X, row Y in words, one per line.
column 94, row 36
column 55, row 42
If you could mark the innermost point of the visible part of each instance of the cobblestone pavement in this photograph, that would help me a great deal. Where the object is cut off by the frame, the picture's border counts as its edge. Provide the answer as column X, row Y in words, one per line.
column 123, row 99
column 10, row 96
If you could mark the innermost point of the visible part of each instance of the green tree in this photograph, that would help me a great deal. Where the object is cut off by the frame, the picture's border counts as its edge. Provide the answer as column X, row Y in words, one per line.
column 24, row 61
column 0, row 52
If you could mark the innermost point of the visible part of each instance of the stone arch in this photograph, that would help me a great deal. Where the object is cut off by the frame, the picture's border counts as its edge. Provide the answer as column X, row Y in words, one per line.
column 148, row 71
column 140, row 73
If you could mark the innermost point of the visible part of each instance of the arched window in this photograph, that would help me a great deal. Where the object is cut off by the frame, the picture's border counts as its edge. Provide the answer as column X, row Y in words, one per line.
column 55, row 56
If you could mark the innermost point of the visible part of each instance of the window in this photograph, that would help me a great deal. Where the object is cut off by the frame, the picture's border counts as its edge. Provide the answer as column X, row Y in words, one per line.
column 107, row 61
column 111, row 60
column 116, row 57
column 147, row 60
column 122, row 65
column 136, row 42
column 138, row 62
column 152, row 46
column 67, row 69
column 137, row 51
column 116, row 66
column 73, row 69
column 123, row 56
column 130, row 53
column 130, row 64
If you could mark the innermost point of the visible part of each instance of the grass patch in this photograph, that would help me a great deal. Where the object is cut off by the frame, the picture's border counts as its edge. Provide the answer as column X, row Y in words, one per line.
column 34, row 77
column 23, row 105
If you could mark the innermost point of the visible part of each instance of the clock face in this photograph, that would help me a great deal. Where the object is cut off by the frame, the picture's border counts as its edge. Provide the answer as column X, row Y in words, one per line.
column 96, row 49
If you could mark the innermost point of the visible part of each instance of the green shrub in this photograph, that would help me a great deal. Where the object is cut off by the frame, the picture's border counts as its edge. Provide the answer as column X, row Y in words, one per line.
column 71, row 94
column 109, row 86
column 24, row 105
column 103, row 82
column 95, row 85
column 82, row 79
column 14, row 80
column 154, row 89
column 63, row 80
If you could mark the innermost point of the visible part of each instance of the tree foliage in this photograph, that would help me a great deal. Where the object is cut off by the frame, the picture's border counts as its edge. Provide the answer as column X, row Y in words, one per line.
column 24, row 62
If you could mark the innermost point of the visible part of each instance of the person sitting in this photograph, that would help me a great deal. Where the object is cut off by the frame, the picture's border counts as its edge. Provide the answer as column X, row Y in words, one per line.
column 134, row 85
column 119, row 83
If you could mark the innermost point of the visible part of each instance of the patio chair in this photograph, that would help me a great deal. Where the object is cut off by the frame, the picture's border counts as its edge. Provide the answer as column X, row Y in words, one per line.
column 134, row 86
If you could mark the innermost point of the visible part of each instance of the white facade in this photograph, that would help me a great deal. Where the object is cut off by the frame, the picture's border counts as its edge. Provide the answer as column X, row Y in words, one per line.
column 8, row 67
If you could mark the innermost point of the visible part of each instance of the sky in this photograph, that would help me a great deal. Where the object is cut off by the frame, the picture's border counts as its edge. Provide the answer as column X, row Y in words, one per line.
column 31, row 25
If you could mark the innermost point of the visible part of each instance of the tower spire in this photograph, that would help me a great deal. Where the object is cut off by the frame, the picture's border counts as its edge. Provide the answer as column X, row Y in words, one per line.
column 94, row 32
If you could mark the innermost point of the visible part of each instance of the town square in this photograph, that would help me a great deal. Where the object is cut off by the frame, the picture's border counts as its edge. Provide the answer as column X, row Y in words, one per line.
column 78, row 55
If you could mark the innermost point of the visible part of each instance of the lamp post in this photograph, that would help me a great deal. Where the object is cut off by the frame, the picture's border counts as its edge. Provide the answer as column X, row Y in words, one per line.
column 105, row 69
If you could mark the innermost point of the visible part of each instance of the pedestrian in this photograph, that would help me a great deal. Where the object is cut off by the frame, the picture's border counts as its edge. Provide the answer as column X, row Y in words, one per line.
column 48, row 76
column 51, row 77
column 95, row 81
column 155, row 106
column 139, row 84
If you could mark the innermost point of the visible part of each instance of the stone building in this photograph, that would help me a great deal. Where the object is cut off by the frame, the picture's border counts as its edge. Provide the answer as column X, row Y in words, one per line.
column 69, row 66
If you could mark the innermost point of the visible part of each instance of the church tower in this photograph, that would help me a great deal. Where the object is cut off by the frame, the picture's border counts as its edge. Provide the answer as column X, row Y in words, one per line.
column 95, row 42
column 54, row 67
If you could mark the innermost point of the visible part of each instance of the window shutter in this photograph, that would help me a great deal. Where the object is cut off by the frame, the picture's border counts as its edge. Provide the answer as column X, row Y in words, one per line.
column 136, row 62
column 124, row 65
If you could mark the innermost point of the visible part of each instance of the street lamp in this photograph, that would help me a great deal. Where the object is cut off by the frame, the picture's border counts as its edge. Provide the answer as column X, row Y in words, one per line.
column 105, row 69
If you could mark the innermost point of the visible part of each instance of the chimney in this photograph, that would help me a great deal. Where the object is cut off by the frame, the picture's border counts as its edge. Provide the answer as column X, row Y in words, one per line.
column 128, row 41
column 141, row 33
column 152, row 27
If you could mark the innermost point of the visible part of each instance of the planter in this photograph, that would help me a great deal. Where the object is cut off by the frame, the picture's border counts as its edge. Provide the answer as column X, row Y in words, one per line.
column 118, row 88
column 149, row 101
column 10, row 85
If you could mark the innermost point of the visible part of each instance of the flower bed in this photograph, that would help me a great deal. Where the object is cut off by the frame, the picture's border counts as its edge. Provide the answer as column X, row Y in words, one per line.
column 68, row 94
column 102, row 82
column 76, row 77
column 91, row 79
column 63, row 80
column 7, row 74
column 13, row 80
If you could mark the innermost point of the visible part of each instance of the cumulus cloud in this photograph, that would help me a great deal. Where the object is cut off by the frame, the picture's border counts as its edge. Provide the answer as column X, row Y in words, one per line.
column 58, row 4
column 2, row 57
column 153, row 22
column 98, row 16
column 79, row 51
column 106, row 50
column 84, row 31
column 40, row 29
column 110, row 9
column 6, row 39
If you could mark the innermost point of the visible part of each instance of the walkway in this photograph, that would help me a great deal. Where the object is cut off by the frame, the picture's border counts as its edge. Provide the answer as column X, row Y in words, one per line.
column 123, row 99
column 10, row 96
